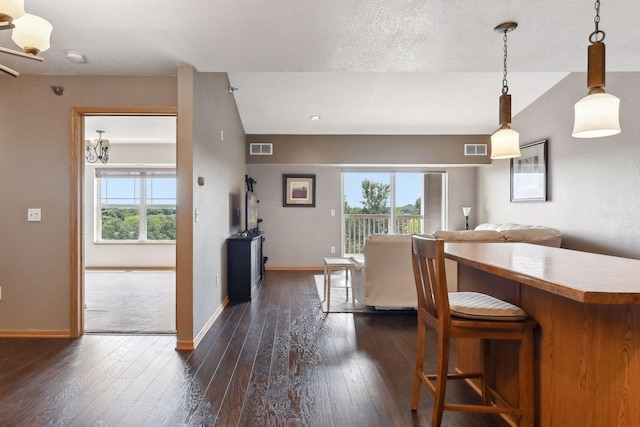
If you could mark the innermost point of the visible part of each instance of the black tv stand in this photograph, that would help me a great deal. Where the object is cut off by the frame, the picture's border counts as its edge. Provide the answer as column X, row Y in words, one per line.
column 245, row 264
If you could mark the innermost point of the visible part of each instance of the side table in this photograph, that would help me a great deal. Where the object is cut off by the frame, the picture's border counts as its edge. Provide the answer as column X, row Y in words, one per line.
column 334, row 263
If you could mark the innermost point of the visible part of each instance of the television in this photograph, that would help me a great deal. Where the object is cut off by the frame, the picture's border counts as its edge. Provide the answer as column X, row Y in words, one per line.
column 251, row 213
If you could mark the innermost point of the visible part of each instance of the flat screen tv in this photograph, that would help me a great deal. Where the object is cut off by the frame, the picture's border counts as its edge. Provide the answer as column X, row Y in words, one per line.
column 251, row 214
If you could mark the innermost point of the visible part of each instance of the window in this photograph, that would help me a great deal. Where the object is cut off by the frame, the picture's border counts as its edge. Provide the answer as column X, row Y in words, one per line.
column 136, row 205
column 390, row 203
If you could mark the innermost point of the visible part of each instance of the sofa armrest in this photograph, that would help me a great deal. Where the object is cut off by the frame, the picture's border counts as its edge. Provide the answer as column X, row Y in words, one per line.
column 358, row 261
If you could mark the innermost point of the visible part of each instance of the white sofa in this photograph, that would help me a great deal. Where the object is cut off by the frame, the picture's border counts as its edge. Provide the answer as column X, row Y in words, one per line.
column 383, row 276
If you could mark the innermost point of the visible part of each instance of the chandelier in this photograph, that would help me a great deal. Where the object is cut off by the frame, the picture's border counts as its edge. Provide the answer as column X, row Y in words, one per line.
column 30, row 32
column 97, row 150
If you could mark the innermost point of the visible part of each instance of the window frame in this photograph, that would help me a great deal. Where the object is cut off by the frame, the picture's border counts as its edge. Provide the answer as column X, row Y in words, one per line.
column 143, row 174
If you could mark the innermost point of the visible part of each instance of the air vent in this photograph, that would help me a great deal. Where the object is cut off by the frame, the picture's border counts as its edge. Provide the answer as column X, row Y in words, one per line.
column 261, row 148
column 475, row 149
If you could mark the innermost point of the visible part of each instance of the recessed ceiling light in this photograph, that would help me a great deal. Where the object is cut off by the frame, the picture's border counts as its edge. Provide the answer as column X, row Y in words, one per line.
column 315, row 118
column 75, row 56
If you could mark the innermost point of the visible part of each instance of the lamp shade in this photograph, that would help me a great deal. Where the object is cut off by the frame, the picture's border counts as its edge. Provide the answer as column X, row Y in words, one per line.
column 505, row 143
column 466, row 210
column 32, row 32
column 596, row 115
column 12, row 8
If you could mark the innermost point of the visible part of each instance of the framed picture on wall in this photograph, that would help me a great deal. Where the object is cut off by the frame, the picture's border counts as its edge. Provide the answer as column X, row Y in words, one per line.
column 298, row 191
column 529, row 173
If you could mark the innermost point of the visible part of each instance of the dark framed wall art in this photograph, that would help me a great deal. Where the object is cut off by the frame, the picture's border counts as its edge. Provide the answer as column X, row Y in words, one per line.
column 298, row 191
column 529, row 173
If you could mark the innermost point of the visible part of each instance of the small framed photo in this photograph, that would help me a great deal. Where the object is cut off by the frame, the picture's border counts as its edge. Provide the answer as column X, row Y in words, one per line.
column 529, row 173
column 298, row 191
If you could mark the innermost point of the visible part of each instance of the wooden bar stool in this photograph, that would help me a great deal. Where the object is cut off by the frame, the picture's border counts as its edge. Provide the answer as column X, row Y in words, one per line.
column 466, row 315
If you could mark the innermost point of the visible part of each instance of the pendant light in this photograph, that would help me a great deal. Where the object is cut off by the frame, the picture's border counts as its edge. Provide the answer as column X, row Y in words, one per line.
column 597, row 114
column 505, row 142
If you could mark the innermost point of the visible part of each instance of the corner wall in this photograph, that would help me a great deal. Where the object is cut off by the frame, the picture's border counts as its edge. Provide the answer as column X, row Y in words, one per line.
column 593, row 183
column 211, row 144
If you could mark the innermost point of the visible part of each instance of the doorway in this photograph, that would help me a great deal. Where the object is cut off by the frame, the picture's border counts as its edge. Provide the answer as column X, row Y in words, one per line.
column 81, row 227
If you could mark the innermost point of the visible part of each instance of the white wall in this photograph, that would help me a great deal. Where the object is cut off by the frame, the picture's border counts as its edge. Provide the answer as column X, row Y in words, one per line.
column 593, row 183
column 154, row 254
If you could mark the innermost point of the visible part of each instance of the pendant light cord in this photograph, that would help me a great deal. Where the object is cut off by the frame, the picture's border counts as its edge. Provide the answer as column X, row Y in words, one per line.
column 505, row 86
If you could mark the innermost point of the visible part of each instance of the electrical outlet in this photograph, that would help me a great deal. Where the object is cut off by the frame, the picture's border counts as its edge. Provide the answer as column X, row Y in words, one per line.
column 221, row 135
column 333, row 249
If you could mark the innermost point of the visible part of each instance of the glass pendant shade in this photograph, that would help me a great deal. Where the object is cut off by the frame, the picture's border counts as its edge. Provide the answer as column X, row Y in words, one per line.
column 32, row 32
column 505, row 143
column 12, row 8
column 597, row 115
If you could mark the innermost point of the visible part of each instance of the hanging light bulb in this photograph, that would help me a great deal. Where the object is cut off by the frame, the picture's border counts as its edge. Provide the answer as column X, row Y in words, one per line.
column 505, row 142
column 597, row 114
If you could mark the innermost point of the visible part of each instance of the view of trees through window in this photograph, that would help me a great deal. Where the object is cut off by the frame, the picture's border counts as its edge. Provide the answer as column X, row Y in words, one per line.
column 136, row 205
column 124, row 224
column 377, row 203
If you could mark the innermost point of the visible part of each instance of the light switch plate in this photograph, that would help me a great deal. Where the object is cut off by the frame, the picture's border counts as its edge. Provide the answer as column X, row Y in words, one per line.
column 34, row 214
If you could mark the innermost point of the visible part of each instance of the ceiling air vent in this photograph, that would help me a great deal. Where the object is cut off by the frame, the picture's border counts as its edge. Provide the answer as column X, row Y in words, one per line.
column 475, row 149
column 261, row 148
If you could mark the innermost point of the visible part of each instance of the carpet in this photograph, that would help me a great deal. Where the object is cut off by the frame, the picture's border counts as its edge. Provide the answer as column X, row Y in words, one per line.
column 141, row 302
column 339, row 301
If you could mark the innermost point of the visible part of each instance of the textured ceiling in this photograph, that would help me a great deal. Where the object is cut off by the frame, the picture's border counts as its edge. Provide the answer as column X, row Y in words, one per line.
column 365, row 67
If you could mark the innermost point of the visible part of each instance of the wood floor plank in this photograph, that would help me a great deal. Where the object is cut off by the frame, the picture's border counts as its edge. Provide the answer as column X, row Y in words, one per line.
column 276, row 360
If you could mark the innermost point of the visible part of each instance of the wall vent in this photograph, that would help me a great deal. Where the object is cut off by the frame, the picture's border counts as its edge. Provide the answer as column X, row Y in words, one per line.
column 475, row 149
column 261, row 148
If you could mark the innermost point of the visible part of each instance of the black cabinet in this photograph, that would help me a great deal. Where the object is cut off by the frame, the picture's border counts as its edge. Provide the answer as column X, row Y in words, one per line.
column 245, row 266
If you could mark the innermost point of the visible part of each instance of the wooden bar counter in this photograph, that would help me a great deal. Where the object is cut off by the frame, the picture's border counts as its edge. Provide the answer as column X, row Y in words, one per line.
column 587, row 353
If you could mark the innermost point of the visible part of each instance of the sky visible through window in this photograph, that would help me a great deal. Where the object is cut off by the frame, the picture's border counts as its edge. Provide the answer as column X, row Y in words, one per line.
column 408, row 186
column 127, row 190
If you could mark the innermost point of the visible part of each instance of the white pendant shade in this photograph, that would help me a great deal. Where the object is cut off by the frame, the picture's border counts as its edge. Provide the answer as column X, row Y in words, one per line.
column 12, row 8
column 505, row 143
column 32, row 32
column 597, row 115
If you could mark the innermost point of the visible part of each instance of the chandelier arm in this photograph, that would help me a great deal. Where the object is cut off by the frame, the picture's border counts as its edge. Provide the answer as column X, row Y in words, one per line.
column 21, row 54
column 9, row 71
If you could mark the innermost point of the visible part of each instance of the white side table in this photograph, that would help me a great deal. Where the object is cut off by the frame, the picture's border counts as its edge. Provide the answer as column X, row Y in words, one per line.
column 334, row 263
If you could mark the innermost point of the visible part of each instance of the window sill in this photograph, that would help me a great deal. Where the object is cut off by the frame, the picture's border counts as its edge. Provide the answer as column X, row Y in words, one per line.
column 133, row 242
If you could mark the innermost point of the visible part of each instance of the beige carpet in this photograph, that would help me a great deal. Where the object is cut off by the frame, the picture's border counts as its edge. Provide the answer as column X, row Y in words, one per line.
column 142, row 302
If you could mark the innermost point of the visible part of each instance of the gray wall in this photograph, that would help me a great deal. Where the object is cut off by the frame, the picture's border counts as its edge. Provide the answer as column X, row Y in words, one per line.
column 221, row 161
column 35, row 165
column 301, row 237
column 593, row 183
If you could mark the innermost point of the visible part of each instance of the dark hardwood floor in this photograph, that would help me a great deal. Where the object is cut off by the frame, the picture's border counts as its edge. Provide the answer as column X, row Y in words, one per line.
column 274, row 361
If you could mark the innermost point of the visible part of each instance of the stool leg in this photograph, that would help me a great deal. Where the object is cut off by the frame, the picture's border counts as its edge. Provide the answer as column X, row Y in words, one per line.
column 526, row 394
column 328, row 297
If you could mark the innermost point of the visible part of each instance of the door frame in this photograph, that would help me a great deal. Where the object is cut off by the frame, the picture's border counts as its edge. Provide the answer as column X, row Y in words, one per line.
column 77, row 198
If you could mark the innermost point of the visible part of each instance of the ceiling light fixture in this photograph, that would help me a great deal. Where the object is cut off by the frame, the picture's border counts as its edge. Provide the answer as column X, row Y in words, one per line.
column 97, row 150
column 597, row 114
column 315, row 118
column 75, row 56
column 30, row 32
column 505, row 142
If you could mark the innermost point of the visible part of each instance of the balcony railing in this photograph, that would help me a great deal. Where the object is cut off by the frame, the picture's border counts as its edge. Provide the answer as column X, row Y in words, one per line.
column 357, row 227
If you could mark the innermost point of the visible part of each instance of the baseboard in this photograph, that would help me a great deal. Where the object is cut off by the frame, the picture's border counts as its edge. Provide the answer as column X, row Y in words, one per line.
column 294, row 268
column 127, row 267
column 209, row 323
column 35, row 333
